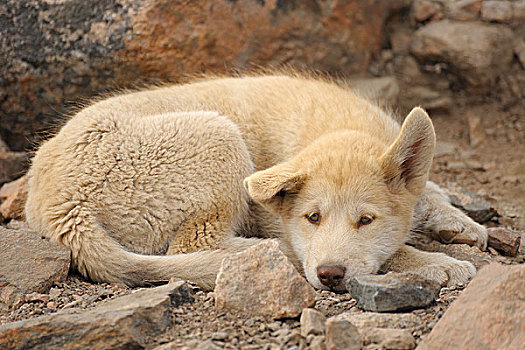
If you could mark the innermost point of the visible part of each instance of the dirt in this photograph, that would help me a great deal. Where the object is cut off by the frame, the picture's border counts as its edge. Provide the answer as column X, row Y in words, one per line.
column 495, row 168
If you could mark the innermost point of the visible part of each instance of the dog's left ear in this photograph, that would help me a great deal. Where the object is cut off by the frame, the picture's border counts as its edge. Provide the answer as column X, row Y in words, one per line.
column 407, row 161
column 271, row 186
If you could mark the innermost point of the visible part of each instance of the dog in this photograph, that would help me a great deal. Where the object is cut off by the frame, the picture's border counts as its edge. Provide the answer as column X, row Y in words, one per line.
column 166, row 182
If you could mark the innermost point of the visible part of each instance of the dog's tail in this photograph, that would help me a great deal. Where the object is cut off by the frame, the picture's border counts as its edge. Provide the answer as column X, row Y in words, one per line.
column 99, row 257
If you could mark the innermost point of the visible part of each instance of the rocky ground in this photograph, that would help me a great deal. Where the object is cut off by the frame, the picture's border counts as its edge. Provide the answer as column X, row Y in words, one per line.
column 464, row 61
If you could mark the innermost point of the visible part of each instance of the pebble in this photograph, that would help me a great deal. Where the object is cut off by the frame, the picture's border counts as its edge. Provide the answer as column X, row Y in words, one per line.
column 312, row 322
column 342, row 335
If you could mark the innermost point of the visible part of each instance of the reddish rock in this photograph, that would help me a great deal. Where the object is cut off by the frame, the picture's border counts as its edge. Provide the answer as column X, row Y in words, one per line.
column 13, row 196
column 477, row 52
column 342, row 335
column 423, row 10
column 464, row 10
column 30, row 263
column 496, row 11
column 261, row 281
column 506, row 241
column 58, row 51
column 489, row 314
column 123, row 323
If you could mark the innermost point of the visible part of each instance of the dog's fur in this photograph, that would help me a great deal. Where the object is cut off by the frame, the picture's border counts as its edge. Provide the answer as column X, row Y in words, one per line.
column 194, row 170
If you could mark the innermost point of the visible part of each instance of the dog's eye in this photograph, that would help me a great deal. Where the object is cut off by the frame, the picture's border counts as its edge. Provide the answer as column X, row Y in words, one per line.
column 365, row 220
column 314, row 218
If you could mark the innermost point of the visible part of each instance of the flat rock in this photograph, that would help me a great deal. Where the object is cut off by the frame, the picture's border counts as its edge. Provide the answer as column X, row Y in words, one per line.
column 312, row 322
column 381, row 320
column 392, row 292
column 472, row 203
column 473, row 50
column 506, row 241
column 383, row 89
column 123, row 323
column 431, row 99
column 342, row 335
column 388, row 338
column 496, row 11
column 489, row 314
column 261, row 281
column 30, row 263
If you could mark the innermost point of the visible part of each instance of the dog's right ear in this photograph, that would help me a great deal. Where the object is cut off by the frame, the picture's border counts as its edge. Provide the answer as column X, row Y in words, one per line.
column 270, row 187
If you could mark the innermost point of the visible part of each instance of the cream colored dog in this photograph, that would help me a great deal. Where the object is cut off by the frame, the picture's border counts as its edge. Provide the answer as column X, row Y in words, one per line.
column 192, row 170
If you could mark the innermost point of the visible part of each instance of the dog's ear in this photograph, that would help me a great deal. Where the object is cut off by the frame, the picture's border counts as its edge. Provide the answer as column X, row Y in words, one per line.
column 407, row 161
column 272, row 186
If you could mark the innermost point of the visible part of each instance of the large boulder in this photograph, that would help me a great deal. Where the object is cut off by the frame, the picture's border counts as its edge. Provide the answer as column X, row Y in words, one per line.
column 58, row 51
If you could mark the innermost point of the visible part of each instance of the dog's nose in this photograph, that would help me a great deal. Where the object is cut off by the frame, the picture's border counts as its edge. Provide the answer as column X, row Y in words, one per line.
column 331, row 276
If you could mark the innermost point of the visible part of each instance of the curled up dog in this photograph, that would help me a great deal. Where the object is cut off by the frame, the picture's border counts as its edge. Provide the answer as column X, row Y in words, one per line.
column 168, row 181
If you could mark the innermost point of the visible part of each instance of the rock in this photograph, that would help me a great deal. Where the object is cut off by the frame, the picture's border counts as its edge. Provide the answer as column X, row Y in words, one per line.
column 342, row 335
column 487, row 315
column 392, row 292
column 444, row 149
column 12, row 165
column 519, row 50
column 381, row 320
column 58, row 51
column 477, row 52
column 506, row 241
column 518, row 10
column 472, row 203
column 464, row 10
column 30, row 263
column 312, row 322
column 400, row 40
column 423, row 10
column 476, row 132
column 496, row 11
column 261, row 281
column 430, row 99
column 383, row 89
column 389, row 338
column 123, row 323
column 13, row 196
column 317, row 343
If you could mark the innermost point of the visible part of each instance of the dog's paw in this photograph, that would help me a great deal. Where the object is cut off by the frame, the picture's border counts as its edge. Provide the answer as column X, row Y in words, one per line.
column 463, row 230
column 447, row 270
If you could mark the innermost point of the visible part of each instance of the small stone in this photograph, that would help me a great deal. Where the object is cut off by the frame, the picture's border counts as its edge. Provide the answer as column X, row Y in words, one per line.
column 34, row 297
column 389, row 338
column 472, row 203
column 312, row 322
column 51, row 305
column 317, row 343
column 430, row 99
column 342, row 335
column 423, row 10
column 381, row 320
column 31, row 263
column 261, row 281
column 221, row 336
column 464, row 10
column 497, row 11
column 506, row 241
column 124, row 323
column 476, row 132
column 13, row 196
column 487, row 315
column 392, row 292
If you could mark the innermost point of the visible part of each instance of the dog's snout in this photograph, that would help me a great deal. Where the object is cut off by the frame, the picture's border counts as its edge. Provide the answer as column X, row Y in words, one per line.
column 331, row 276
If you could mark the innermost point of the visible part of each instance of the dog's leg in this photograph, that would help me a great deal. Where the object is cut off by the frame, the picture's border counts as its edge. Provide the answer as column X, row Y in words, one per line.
column 434, row 266
column 435, row 216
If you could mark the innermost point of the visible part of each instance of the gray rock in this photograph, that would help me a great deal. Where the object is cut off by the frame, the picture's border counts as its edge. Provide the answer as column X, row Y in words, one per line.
column 392, row 292
column 472, row 203
column 342, row 335
column 261, row 281
column 12, row 165
column 312, row 322
column 30, row 263
column 381, row 320
column 383, row 89
column 123, row 323
column 431, row 99
column 477, row 52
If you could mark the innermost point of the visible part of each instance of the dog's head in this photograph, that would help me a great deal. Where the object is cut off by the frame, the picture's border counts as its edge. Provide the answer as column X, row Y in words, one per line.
column 346, row 200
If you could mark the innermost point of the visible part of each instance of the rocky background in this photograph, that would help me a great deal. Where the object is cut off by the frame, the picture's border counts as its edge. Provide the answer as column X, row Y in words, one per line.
column 462, row 60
